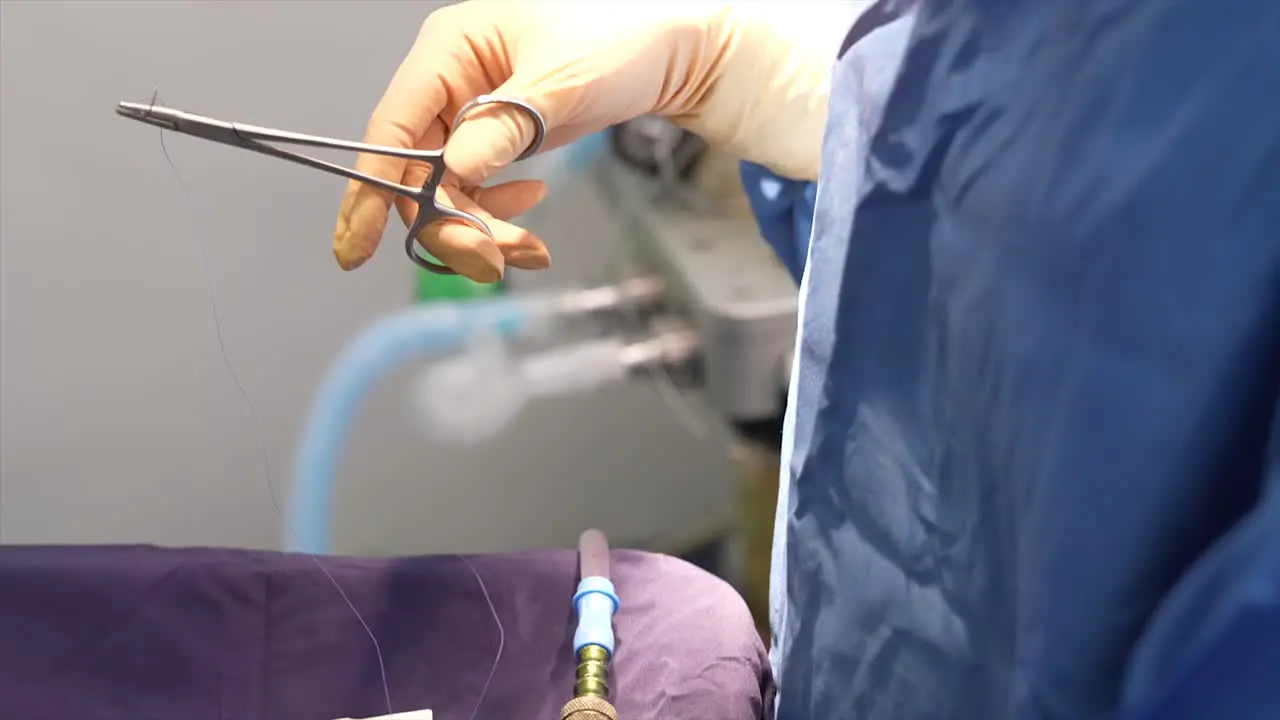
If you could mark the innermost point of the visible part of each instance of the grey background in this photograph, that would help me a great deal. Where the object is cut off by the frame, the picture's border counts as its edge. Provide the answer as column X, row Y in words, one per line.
column 118, row 421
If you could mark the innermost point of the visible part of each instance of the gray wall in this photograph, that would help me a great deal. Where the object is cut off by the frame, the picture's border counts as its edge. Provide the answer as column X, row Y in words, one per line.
column 118, row 421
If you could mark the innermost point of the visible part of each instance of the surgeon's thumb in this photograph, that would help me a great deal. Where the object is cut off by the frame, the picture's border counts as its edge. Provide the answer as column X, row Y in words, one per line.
column 491, row 136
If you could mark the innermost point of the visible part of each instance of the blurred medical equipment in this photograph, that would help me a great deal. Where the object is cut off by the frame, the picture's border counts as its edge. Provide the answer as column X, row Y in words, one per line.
column 249, row 137
column 700, row 301
column 685, row 224
column 700, row 306
column 418, row 333
column 656, row 147
column 471, row 397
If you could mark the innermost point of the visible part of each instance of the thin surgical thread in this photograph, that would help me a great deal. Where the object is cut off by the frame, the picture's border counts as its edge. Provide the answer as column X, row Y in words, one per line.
column 257, row 418
column 502, row 637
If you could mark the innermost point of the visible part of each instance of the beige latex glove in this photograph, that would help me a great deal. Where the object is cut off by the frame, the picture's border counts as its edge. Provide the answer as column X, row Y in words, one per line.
column 586, row 65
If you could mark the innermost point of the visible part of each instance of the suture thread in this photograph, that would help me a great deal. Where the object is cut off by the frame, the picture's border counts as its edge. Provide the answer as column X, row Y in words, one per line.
column 257, row 418
column 266, row 461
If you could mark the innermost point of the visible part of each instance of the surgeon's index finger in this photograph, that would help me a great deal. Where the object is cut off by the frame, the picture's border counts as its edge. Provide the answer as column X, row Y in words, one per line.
column 414, row 98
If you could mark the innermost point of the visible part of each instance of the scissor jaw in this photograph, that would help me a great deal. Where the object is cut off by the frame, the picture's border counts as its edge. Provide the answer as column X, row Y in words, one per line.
column 149, row 114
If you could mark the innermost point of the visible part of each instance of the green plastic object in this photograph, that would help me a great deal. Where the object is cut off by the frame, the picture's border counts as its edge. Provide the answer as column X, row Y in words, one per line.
column 435, row 288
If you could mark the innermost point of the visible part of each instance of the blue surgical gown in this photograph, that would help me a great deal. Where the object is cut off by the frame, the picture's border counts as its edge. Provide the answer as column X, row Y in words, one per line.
column 1031, row 462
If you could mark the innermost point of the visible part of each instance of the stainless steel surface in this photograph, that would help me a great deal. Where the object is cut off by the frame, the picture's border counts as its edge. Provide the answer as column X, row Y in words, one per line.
column 724, row 281
column 638, row 294
column 672, row 345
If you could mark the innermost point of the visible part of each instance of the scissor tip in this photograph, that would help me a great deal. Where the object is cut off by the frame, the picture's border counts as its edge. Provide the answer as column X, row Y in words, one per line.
column 131, row 110
column 147, row 113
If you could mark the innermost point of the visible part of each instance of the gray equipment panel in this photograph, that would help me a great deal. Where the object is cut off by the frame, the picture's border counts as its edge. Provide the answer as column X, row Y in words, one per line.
column 725, row 280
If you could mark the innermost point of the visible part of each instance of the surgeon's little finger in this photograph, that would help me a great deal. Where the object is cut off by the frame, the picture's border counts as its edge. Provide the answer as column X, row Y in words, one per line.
column 520, row 248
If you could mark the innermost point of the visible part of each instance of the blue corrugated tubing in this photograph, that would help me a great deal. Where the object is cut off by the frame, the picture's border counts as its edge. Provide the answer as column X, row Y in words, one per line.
column 407, row 335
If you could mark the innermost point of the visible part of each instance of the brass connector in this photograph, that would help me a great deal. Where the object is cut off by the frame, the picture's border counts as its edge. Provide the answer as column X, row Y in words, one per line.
column 593, row 673
column 591, row 688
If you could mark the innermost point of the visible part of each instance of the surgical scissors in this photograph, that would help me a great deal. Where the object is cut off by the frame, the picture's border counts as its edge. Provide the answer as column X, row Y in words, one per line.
column 251, row 137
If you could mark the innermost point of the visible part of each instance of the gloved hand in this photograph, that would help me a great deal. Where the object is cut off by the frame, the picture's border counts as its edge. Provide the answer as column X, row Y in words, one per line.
column 585, row 66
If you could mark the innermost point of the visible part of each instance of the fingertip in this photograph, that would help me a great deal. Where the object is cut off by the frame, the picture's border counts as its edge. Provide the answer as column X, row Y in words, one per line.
column 535, row 191
column 484, row 273
column 342, row 250
column 489, row 276
column 530, row 260
column 348, row 249
column 346, row 259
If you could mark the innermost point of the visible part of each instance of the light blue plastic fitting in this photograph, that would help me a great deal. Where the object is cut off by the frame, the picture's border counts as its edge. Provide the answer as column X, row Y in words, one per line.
column 406, row 335
column 596, row 603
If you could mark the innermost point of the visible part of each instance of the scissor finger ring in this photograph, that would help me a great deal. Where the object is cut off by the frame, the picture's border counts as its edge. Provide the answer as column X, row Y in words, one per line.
column 429, row 210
